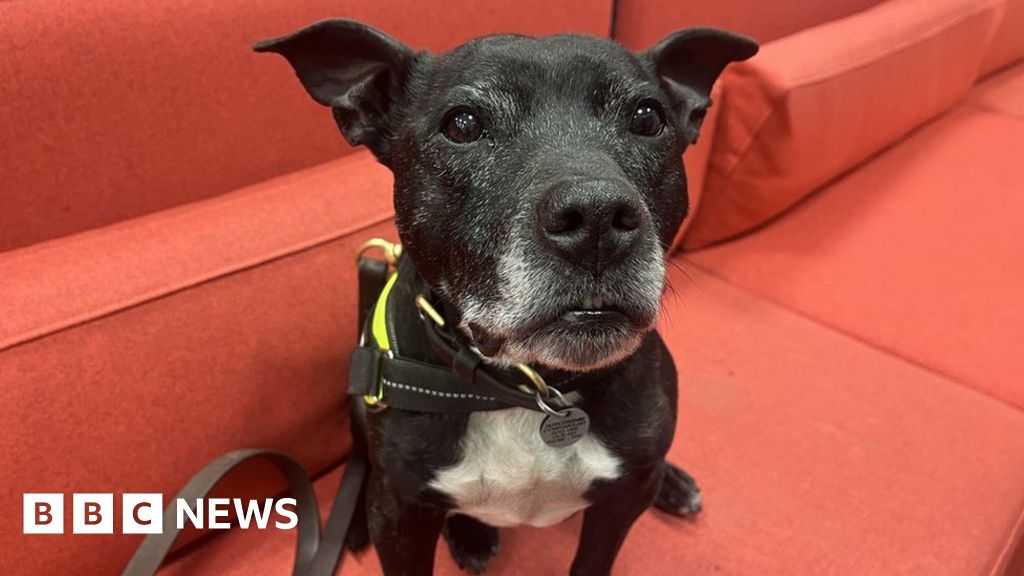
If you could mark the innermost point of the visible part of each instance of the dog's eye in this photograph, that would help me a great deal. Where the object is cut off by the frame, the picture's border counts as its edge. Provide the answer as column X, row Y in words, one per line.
column 462, row 127
column 647, row 119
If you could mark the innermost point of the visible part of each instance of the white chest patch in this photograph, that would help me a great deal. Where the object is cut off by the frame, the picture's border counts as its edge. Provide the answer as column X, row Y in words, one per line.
column 509, row 476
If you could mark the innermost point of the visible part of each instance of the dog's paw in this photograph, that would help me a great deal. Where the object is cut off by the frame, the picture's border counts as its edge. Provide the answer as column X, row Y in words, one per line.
column 471, row 542
column 679, row 494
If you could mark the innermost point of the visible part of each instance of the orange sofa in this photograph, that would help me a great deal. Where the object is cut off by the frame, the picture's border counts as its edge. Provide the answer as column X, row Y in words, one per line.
column 178, row 221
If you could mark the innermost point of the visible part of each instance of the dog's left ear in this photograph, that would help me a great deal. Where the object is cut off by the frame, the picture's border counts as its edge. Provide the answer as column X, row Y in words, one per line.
column 356, row 70
column 688, row 62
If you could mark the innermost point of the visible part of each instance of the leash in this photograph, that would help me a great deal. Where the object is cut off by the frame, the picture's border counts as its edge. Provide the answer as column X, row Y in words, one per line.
column 315, row 554
column 384, row 380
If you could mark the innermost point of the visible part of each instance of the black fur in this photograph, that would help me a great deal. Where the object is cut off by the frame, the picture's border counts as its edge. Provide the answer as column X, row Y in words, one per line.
column 556, row 129
column 472, row 543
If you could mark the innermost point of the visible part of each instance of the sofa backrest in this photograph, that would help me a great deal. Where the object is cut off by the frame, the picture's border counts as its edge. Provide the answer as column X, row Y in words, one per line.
column 110, row 109
column 814, row 104
column 640, row 23
column 925, row 54
column 1008, row 42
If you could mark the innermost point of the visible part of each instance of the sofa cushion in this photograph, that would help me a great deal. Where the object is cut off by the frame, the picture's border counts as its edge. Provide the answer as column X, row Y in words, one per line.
column 816, row 455
column 1003, row 92
column 1008, row 43
column 131, row 355
column 695, row 164
column 110, row 109
column 814, row 104
column 918, row 252
column 641, row 23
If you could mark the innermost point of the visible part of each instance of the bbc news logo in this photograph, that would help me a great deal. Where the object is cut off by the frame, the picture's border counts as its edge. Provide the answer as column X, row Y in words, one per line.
column 143, row 513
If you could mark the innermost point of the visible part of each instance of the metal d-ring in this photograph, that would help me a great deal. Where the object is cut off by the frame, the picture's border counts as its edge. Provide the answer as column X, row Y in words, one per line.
column 425, row 307
column 536, row 379
column 391, row 250
column 548, row 409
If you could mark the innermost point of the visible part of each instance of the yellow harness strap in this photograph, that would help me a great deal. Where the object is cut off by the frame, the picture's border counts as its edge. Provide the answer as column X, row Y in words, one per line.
column 378, row 326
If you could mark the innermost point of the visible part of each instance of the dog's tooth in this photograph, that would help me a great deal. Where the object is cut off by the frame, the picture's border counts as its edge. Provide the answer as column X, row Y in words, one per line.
column 598, row 301
column 588, row 303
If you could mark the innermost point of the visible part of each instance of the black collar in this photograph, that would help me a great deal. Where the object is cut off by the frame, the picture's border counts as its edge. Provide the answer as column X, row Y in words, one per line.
column 408, row 360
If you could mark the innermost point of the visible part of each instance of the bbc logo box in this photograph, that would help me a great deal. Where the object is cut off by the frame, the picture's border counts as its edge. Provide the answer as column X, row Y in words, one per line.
column 92, row 513
column 43, row 514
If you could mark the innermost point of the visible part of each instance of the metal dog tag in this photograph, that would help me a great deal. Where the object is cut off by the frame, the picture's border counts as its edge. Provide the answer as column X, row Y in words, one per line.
column 559, row 431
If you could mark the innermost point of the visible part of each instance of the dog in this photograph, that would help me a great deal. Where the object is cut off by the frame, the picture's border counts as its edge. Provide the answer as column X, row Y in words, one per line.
column 538, row 183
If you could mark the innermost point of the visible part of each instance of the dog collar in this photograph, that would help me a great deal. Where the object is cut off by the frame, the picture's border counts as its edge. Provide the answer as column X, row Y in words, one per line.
column 446, row 374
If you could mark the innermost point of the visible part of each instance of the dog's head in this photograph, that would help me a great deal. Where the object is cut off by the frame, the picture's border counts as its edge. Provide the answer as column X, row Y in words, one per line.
column 538, row 181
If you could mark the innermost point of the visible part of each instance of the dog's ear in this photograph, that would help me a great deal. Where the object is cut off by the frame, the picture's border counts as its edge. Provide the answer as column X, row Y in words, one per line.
column 356, row 70
column 688, row 62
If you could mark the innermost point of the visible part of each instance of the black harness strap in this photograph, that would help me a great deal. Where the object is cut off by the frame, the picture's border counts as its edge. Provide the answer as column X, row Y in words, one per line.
column 460, row 384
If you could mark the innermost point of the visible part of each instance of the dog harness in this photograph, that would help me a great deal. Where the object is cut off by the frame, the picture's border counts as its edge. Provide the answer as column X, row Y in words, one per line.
column 382, row 377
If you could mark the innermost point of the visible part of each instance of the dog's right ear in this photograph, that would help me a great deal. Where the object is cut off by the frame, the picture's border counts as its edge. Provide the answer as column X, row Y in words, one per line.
column 353, row 68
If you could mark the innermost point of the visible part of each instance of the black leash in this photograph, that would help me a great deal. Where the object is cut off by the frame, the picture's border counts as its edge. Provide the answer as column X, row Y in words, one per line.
column 315, row 554
column 378, row 380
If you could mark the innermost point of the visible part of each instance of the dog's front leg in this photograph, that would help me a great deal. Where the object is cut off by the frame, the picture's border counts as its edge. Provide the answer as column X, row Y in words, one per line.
column 606, row 523
column 404, row 532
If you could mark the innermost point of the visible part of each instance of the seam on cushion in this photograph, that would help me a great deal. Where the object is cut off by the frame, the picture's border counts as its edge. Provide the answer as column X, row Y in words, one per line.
column 986, row 107
column 295, row 180
column 745, row 148
column 199, row 280
column 926, row 36
column 840, row 330
column 1015, row 545
column 831, row 180
column 813, row 80
column 997, row 71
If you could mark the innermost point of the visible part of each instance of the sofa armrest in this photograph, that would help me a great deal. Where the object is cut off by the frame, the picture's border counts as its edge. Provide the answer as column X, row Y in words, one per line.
column 131, row 355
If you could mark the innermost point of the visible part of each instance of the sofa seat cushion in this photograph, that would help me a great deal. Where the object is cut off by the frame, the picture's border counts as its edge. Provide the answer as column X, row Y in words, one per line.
column 816, row 453
column 918, row 252
column 133, row 354
column 814, row 104
column 1003, row 92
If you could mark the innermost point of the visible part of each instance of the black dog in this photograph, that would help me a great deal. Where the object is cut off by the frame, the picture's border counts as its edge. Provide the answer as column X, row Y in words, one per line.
column 538, row 182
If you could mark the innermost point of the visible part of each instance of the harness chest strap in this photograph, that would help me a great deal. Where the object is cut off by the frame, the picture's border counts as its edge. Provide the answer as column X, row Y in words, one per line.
column 452, row 390
column 460, row 384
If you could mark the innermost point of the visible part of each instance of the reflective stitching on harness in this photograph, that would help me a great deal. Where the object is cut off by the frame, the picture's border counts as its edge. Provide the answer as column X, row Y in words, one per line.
column 435, row 392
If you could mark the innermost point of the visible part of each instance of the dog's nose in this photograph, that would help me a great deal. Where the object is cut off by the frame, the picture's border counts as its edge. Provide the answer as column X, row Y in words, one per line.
column 591, row 223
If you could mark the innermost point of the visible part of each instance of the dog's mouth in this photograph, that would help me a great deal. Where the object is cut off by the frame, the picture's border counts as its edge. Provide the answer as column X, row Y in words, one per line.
column 594, row 310
column 585, row 335
column 548, row 313
column 594, row 317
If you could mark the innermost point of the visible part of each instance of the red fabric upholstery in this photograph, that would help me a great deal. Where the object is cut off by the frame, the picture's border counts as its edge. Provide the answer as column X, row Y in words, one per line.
column 133, row 354
column 695, row 162
column 1003, row 92
column 641, row 23
column 116, row 108
column 201, row 320
column 814, row 104
column 817, row 454
column 1008, row 43
column 918, row 252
